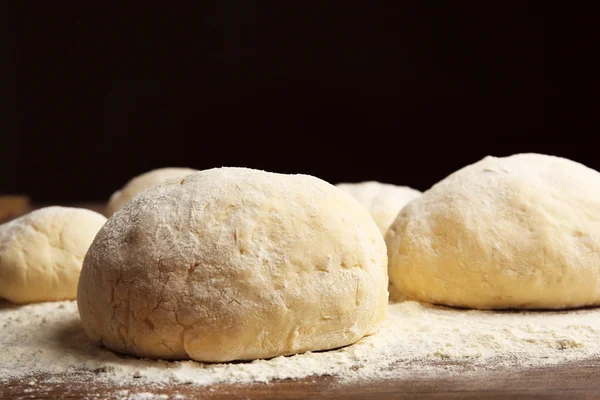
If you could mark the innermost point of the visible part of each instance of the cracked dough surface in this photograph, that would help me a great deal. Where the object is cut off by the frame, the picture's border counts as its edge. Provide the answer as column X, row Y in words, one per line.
column 383, row 200
column 235, row 264
column 141, row 183
column 41, row 253
column 515, row 232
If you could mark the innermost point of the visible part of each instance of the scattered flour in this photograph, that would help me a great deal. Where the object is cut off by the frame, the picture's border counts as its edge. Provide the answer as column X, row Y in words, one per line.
column 145, row 396
column 415, row 340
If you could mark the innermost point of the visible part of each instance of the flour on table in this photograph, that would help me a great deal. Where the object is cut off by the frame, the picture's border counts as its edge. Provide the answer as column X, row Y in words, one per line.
column 46, row 340
column 124, row 395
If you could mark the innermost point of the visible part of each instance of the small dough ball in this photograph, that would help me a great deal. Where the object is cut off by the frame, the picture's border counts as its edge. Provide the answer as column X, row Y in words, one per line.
column 515, row 232
column 235, row 264
column 141, row 183
column 41, row 253
column 383, row 200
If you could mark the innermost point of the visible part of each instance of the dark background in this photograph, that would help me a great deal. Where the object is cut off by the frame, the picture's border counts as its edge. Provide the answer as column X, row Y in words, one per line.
column 401, row 92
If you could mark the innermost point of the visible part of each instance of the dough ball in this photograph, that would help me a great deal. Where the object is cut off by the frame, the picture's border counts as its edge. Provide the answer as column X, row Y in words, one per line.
column 515, row 232
column 235, row 264
column 41, row 253
column 384, row 201
column 141, row 183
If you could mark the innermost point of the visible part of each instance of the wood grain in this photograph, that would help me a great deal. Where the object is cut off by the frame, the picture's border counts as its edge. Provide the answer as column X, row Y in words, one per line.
column 575, row 381
column 12, row 206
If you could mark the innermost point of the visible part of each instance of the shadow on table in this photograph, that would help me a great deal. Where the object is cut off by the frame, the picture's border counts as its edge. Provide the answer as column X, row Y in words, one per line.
column 7, row 305
column 71, row 339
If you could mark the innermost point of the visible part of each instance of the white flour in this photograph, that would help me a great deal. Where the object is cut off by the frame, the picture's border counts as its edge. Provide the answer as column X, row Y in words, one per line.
column 415, row 340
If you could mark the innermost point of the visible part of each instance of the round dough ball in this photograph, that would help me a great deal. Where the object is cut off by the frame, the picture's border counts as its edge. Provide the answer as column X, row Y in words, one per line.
column 383, row 200
column 41, row 253
column 235, row 264
column 141, row 183
column 515, row 232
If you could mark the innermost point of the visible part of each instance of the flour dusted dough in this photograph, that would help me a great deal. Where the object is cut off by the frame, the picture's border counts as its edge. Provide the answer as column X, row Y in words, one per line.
column 515, row 232
column 231, row 264
column 383, row 200
column 41, row 253
column 141, row 183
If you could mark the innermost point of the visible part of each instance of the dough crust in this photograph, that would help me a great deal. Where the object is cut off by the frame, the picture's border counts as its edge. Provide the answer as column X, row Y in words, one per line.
column 515, row 232
column 41, row 253
column 235, row 264
column 141, row 183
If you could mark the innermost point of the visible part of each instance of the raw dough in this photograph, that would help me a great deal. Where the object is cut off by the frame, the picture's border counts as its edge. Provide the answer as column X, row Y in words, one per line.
column 235, row 264
column 515, row 232
column 41, row 253
column 141, row 183
column 383, row 200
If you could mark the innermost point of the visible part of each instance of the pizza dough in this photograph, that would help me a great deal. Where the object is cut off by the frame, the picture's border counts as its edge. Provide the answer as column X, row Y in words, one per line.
column 235, row 264
column 141, row 183
column 41, row 253
column 515, row 232
column 383, row 200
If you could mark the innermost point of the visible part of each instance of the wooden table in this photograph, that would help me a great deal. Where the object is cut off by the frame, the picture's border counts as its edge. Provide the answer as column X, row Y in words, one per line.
column 16, row 205
column 576, row 381
column 581, row 381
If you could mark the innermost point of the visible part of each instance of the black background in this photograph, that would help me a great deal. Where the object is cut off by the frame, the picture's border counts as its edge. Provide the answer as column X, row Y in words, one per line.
column 401, row 92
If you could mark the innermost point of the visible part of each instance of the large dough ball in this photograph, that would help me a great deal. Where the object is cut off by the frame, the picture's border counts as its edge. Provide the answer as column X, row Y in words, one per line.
column 515, row 232
column 233, row 263
column 141, row 183
column 41, row 253
column 383, row 200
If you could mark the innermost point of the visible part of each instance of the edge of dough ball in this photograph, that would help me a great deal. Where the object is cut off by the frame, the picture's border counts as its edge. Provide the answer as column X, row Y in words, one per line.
column 517, row 232
column 41, row 253
column 142, row 182
column 235, row 264
column 384, row 201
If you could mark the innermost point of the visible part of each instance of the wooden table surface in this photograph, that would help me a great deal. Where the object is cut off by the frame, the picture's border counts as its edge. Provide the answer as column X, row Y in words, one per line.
column 573, row 381
column 580, row 381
